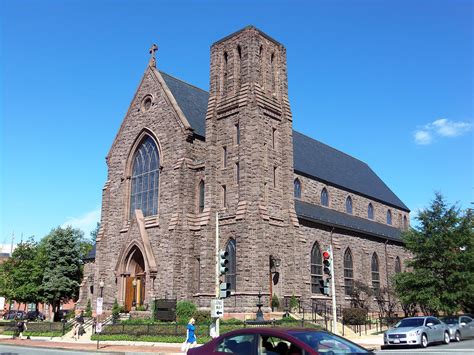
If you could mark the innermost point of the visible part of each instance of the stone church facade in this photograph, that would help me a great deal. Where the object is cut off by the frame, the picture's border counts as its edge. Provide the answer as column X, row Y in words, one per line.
column 183, row 155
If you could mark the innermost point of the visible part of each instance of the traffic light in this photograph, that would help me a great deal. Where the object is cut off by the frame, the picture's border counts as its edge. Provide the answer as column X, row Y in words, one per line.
column 223, row 261
column 224, row 290
column 327, row 260
column 324, row 286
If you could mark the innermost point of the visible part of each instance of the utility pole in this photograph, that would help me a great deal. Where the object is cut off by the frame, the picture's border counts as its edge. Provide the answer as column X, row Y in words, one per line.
column 217, row 271
column 333, row 293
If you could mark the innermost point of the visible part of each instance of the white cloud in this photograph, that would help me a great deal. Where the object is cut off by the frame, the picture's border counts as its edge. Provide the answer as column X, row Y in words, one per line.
column 440, row 128
column 422, row 137
column 86, row 222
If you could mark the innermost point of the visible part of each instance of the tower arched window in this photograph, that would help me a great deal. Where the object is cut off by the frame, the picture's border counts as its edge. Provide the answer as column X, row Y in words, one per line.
column 348, row 273
column 398, row 265
column 316, row 269
column 273, row 72
column 239, row 67
column 405, row 222
column 201, row 196
column 225, row 83
column 324, row 197
column 389, row 217
column 370, row 211
column 349, row 205
column 145, row 178
column 297, row 184
column 231, row 274
column 375, row 272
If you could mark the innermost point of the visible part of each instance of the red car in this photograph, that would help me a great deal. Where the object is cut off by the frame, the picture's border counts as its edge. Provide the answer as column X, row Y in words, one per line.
column 278, row 341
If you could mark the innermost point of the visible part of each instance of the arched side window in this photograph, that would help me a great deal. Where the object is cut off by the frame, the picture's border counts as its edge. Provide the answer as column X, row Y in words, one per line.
column 231, row 275
column 348, row 273
column 145, row 178
column 201, row 196
column 324, row 197
column 405, row 222
column 349, row 205
column 316, row 269
column 239, row 67
column 389, row 217
column 370, row 211
column 297, row 185
column 225, row 82
column 398, row 265
column 375, row 272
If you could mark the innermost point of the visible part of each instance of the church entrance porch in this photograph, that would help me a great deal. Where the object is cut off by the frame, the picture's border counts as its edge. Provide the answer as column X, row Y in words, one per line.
column 134, row 279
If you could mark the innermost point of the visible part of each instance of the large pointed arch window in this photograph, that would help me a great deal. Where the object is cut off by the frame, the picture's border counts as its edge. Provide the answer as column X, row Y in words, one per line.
column 316, row 269
column 375, row 272
column 230, row 276
column 348, row 273
column 145, row 178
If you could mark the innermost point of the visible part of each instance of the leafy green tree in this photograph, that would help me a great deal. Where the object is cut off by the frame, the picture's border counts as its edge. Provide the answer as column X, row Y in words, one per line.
column 441, row 272
column 6, row 284
column 62, row 266
column 26, row 273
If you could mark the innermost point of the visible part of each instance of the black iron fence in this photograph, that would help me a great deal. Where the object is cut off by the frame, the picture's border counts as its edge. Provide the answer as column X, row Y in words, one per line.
column 36, row 327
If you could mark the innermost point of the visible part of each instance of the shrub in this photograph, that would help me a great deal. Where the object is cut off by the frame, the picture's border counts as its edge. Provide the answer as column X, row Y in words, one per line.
column 115, row 311
column 275, row 302
column 202, row 317
column 354, row 316
column 141, row 307
column 88, row 312
column 184, row 311
column 293, row 303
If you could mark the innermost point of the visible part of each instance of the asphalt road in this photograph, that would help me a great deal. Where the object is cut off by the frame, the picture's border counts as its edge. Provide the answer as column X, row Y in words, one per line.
column 24, row 350
column 462, row 348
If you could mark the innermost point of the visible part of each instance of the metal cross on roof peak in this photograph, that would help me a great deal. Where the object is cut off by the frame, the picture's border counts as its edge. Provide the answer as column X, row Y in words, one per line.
column 152, row 51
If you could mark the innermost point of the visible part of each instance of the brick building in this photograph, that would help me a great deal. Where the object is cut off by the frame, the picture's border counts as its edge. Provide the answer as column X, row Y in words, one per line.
column 183, row 154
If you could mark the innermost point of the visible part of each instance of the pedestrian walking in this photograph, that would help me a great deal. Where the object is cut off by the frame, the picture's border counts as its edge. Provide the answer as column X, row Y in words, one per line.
column 21, row 327
column 75, row 331
column 94, row 324
column 190, row 336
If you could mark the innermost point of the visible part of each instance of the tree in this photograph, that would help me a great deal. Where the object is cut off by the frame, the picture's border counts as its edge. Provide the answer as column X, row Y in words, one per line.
column 442, row 268
column 62, row 267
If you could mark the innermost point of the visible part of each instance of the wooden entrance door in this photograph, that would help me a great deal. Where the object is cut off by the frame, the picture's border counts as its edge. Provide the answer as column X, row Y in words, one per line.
column 128, row 293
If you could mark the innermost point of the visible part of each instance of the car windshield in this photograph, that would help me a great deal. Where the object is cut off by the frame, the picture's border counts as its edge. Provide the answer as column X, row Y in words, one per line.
column 451, row 320
column 410, row 323
column 328, row 343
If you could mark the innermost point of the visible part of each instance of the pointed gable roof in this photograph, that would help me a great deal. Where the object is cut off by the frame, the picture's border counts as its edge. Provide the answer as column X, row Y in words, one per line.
column 311, row 157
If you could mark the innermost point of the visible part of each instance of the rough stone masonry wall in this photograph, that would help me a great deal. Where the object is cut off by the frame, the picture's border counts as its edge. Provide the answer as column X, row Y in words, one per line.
column 311, row 193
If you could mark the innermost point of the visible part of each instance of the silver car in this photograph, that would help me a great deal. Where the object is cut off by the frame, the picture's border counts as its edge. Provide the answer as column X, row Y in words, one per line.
column 417, row 331
column 460, row 327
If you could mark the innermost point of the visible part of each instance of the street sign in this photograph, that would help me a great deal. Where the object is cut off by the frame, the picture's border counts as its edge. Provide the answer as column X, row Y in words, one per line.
column 98, row 309
column 98, row 328
column 217, row 308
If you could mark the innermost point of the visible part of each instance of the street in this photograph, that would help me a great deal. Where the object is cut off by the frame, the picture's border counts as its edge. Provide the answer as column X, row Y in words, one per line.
column 463, row 347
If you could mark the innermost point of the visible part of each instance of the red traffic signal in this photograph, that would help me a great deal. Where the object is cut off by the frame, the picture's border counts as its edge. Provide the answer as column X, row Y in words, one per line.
column 326, row 255
column 327, row 262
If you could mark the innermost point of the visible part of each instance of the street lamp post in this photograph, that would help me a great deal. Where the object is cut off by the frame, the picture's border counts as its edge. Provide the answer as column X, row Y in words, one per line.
column 134, row 284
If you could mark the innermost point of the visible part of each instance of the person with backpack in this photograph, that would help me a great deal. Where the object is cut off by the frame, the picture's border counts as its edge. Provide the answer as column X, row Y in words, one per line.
column 21, row 327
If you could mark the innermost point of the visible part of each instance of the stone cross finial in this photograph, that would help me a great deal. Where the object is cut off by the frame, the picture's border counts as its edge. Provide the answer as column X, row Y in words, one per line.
column 152, row 51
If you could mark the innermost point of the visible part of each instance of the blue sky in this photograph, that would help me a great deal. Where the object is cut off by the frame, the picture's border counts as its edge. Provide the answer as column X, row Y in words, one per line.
column 388, row 82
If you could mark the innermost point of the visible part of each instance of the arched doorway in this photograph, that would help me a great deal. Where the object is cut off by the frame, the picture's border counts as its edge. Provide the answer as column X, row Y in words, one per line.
column 134, row 279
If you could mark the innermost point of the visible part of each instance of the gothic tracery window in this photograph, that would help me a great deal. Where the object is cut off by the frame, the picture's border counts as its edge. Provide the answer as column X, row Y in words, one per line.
column 145, row 178
column 348, row 272
column 316, row 269
column 375, row 272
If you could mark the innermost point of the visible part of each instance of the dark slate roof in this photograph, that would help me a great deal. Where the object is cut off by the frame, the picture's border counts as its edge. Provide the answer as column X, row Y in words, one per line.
column 346, row 221
column 330, row 165
column 311, row 157
column 191, row 100
column 91, row 254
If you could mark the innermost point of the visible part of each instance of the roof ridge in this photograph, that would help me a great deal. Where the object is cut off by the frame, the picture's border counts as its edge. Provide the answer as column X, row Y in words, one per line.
column 184, row 82
column 335, row 149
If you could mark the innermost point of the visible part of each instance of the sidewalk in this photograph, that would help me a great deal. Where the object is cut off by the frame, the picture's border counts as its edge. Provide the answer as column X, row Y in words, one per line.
column 121, row 347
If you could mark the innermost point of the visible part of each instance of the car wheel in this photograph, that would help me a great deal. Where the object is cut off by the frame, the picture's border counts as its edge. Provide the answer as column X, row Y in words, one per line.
column 424, row 340
column 447, row 338
column 457, row 336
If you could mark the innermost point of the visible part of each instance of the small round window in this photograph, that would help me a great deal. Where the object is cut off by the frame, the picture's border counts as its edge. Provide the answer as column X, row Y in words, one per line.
column 146, row 103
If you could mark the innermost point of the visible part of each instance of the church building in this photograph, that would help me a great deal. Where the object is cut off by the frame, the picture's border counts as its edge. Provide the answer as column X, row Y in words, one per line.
column 183, row 156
